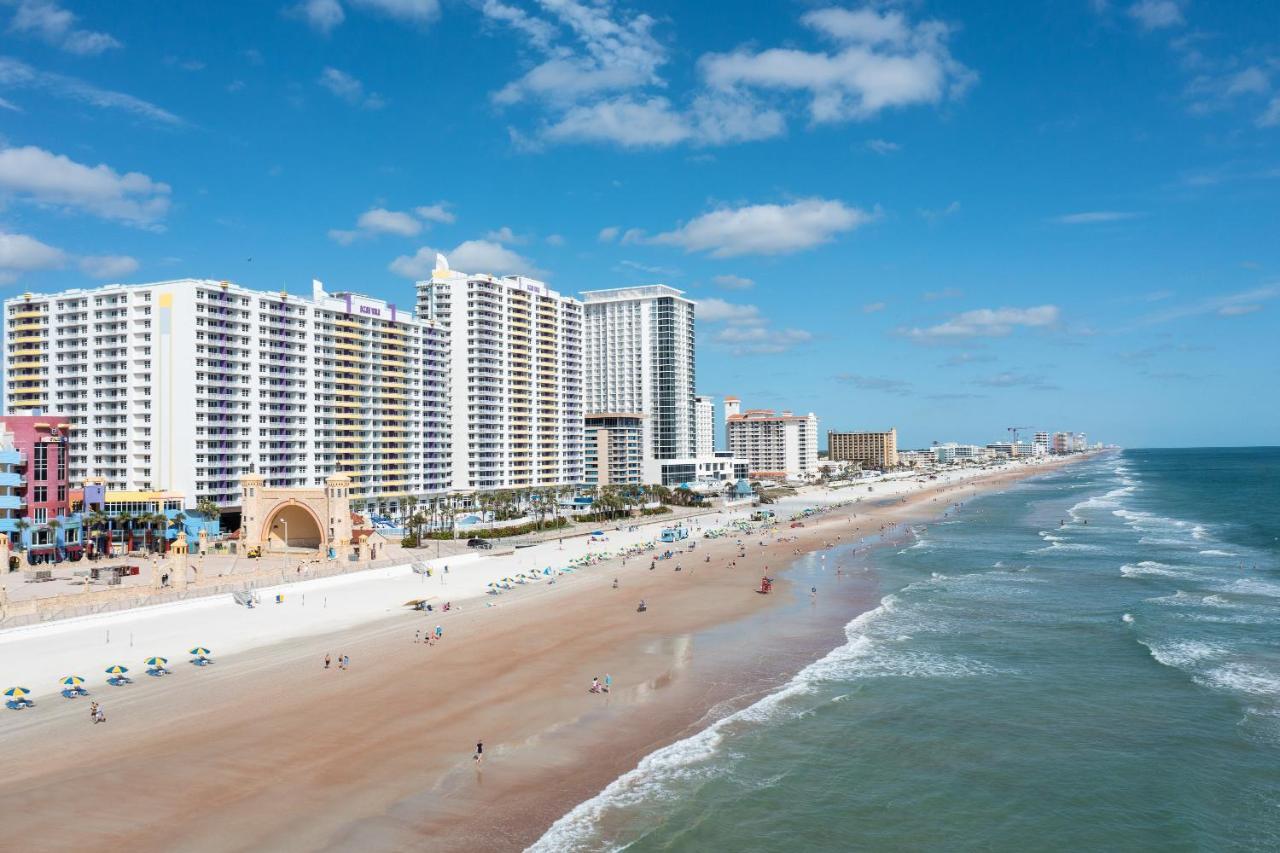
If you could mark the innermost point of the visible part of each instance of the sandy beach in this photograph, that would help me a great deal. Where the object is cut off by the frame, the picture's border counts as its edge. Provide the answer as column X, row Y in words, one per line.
column 266, row 749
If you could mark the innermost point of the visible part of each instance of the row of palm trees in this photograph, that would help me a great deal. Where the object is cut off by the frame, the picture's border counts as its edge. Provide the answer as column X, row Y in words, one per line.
column 540, row 504
column 151, row 525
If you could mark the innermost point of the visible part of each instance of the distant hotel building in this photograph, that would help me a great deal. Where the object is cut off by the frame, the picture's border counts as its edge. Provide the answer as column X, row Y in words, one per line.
column 515, row 379
column 188, row 385
column 640, row 358
column 704, row 426
column 614, row 449
column 870, row 449
column 775, row 446
column 952, row 452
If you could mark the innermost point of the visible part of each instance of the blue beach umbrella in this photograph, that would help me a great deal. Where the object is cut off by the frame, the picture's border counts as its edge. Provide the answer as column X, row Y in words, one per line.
column 16, row 692
column 156, row 661
column 72, row 681
column 116, row 670
column 200, row 651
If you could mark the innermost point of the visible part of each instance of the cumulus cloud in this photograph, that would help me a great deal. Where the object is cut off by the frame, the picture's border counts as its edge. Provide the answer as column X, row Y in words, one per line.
column 438, row 212
column 733, row 282
column 743, row 330
column 1227, row 305
column 878, row 61
column 1156, row 14
column 20, row 253
column 934, row 214
column 54, row 180
column 988, row 323
column 19, row 75
column 600, row 77
column 325, row 15
column 476, row 256
column 108, row 266
column 54, row 25
column 609, row 234
column 379, row 220
column 766, row 229
column 347, row 88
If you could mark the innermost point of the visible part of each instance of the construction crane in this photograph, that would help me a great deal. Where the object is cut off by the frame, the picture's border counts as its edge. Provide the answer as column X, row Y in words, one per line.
column 1013, row 431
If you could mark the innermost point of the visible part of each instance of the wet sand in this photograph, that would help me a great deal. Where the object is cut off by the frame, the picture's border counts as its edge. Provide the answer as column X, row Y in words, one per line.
column 268, row 750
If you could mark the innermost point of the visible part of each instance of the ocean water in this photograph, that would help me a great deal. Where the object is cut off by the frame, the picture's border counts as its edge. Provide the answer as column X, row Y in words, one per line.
column 1089, row 660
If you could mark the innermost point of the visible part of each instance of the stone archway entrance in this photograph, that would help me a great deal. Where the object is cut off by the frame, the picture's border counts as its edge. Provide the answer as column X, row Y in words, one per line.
column 292, row 527
column 295, row 520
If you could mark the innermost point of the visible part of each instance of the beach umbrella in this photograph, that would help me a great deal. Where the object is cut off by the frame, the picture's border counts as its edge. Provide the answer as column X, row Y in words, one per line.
column 116, row 670
column 16, row 692
column 72, row 681
column 156, row 661
column 200, row 650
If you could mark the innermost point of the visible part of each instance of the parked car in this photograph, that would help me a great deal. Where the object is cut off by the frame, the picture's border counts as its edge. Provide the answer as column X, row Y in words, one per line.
column 479, row 543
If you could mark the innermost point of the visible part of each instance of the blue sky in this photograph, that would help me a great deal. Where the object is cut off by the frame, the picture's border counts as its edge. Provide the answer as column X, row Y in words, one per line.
column 950, row 217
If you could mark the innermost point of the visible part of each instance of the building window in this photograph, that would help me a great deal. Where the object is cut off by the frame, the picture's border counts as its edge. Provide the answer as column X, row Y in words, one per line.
column 62, row 494
column 40, row 494
column 42, row 462
column 62, row 464
column 41, row 516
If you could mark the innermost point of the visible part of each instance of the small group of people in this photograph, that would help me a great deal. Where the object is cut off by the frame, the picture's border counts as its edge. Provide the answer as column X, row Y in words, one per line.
column 431, row 637
column 96, row 713
column 597, row 686
column 344, row 662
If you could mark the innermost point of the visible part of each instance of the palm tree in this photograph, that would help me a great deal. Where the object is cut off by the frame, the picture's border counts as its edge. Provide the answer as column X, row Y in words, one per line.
column 209, row 509
column 22, row 525
column 96, row 521
column 124, row 521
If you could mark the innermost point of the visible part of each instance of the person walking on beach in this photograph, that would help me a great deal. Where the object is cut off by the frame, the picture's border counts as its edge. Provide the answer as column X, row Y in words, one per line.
column 439, row 633
column 417, row 635
column 608, row 682
column 479, row 756
column 346, row 662
column 326, row 660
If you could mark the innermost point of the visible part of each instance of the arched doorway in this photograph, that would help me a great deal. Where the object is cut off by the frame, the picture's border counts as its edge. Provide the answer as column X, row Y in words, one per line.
column 292, row 527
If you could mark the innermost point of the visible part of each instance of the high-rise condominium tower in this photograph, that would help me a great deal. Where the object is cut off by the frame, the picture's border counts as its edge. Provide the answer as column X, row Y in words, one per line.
column 515, row 378
column 640, row 358
column 187, row 385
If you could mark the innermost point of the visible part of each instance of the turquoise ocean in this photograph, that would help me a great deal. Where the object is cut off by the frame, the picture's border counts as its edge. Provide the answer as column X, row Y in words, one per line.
column 1088, row 660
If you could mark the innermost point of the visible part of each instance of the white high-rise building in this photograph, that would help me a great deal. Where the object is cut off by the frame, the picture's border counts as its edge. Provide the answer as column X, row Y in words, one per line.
column 640, row 358
column 776, row 446
column 188, row 385
column 515, row 378
column 705, row 426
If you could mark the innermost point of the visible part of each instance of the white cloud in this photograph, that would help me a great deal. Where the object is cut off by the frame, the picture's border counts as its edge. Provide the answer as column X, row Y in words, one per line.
column 420, row 12
column 743, row 330
column 1016, row 380
column 628, row 122
column 733, row 282
column 934, row 215
column 766, row 229
column 9, row 105
column 1092, row 217
column 873, row 307
column 609, row 234
column 438, row 212
column 17, row 74
column 1238, row 310
column 506, row 235
column 882, row 146
column 1156, row 14
column 555, row 240
column 55, row 180
column 320, row 15
column 604, row 53
column 476, row 256
column 342, row 85
column 384, row 221
column 899, row 387
column 379, row 220
column 1271, row 115
column 20, row 253
column 108, row 266
column 758, row 340
column 716, row 310
column 988, row 323
column 881, row 62
column 54, row 25
column 325, row 15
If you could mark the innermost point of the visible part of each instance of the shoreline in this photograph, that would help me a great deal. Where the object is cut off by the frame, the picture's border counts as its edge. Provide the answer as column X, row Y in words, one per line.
column 378, row 757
